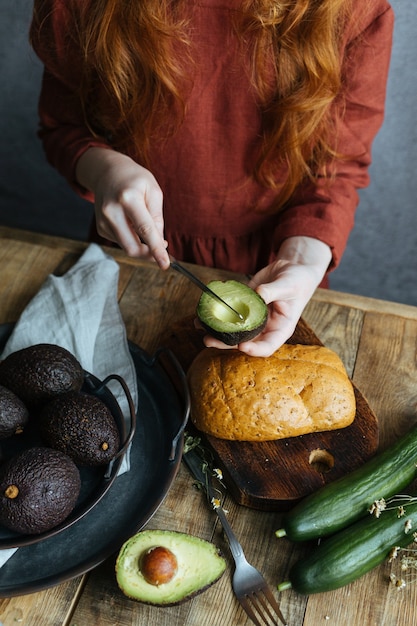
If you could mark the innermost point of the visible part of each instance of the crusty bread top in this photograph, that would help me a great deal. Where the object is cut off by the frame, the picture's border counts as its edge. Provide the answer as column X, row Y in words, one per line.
column 299, row 389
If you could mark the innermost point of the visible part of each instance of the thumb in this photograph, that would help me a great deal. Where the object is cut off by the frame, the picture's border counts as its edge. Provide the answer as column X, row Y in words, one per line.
column 265, row 292
column 281, row 289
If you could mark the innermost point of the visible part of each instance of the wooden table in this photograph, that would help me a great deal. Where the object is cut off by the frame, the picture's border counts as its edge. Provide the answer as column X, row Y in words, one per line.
column 377, row 342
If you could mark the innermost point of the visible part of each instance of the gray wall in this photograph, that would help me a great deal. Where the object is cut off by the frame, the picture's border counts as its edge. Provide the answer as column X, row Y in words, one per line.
column 32, row 194
column 381, row 258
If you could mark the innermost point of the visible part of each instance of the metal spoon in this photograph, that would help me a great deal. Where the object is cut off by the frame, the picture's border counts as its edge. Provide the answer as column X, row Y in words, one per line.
column 182, row 270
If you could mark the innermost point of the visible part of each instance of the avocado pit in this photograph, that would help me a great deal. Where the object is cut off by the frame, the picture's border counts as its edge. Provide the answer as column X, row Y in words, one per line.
column 158, row 565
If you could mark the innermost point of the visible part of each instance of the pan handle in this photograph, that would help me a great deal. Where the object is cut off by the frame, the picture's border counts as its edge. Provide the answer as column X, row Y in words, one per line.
column 185, row 392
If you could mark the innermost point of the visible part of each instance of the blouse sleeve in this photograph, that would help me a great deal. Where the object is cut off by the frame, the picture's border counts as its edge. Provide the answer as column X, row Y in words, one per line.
column 63, row 132
column 325, row 210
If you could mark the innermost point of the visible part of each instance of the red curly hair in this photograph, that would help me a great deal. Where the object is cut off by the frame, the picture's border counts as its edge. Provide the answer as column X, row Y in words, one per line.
column 295, row 67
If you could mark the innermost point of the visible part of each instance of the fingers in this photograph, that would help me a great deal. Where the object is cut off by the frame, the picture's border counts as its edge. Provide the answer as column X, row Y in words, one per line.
column 284, row 289
column 267, row 343
column 148, row 226
column 121, row 231
column 133, row 218
column 211, row 342
column 262, row 346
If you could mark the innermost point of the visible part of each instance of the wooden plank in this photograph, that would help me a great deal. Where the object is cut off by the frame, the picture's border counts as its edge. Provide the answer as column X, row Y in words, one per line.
column 49, row 608
column 23, row 271
column 152, row 302
column 370, row 600
column 338, row 327
column 364, row 303
column 40, row 239
column 386, row 369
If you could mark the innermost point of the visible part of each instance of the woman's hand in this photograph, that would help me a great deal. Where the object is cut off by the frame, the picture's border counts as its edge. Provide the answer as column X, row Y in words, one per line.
column 286, row 286
column 128, row 203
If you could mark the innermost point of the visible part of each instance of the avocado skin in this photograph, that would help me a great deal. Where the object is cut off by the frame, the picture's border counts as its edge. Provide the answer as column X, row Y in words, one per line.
column 234, row 338
column 49, row 484
column 39, row 372
column 14, row 414
column 78, row 423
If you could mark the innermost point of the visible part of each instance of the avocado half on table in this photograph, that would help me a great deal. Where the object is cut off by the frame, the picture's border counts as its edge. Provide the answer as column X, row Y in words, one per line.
column 166, row 567
column 220, row 322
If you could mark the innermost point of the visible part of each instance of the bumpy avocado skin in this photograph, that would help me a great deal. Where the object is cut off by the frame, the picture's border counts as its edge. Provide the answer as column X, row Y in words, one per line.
column 14, row 414
column 200, row 565
column 48, row 484
column 39, row 372
column 81, row 426
column 234, row 338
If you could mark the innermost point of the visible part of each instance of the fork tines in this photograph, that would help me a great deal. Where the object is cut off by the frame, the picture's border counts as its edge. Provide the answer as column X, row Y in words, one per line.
column 261, row 605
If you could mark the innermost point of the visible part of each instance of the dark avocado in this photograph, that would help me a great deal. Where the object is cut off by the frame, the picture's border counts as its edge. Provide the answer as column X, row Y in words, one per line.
column 222, row 323
column 39, row 372
column 38, row 490
column 13, row 413
column 82, row 426
column 164, row 567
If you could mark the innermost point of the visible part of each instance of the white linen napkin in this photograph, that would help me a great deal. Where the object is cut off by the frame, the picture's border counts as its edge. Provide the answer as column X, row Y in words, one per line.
column 80, row 312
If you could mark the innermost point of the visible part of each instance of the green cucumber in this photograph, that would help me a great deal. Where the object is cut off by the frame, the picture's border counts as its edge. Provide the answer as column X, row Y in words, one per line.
column 345, row 500
column 352, row 552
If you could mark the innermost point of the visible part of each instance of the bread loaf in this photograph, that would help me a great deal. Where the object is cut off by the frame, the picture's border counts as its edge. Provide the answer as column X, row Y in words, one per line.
column 299, row 389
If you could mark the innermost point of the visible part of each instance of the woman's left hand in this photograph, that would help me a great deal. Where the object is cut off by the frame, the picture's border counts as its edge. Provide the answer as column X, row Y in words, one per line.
column 286, row 285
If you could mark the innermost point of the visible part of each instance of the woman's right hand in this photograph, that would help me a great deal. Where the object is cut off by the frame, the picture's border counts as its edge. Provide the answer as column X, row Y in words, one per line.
column 128, row 203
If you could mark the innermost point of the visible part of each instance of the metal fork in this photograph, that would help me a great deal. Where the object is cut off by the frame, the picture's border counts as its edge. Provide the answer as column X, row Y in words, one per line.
column 250, row 587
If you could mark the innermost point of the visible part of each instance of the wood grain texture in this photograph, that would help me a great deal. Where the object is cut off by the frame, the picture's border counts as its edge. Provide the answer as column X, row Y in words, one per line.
column 386, row 367
column 49, row 608
column 339, row 328
column 23, row 270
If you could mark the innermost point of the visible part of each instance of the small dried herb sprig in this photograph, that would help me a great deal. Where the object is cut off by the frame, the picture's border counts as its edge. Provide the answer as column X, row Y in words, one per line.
column 407, row 560
column 378, row 506
column 191, row 442
column 405, row 557
column 207, row 461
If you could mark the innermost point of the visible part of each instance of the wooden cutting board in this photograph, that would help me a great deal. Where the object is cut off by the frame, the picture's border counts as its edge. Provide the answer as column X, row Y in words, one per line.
column 274, row 475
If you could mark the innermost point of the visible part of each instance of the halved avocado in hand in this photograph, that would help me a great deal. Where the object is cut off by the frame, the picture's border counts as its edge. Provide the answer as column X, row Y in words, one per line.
column 222, row 323
column 164, row 567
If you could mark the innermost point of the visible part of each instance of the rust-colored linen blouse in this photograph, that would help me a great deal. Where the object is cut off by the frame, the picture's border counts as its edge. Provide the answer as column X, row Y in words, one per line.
column 211, row 203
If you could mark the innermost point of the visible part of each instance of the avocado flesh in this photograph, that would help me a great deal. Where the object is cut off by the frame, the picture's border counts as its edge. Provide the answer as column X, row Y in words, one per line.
column 222, row 323
column 199, row 566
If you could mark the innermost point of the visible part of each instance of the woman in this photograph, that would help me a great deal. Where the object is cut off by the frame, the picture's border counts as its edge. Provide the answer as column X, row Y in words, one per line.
column 232, row 134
